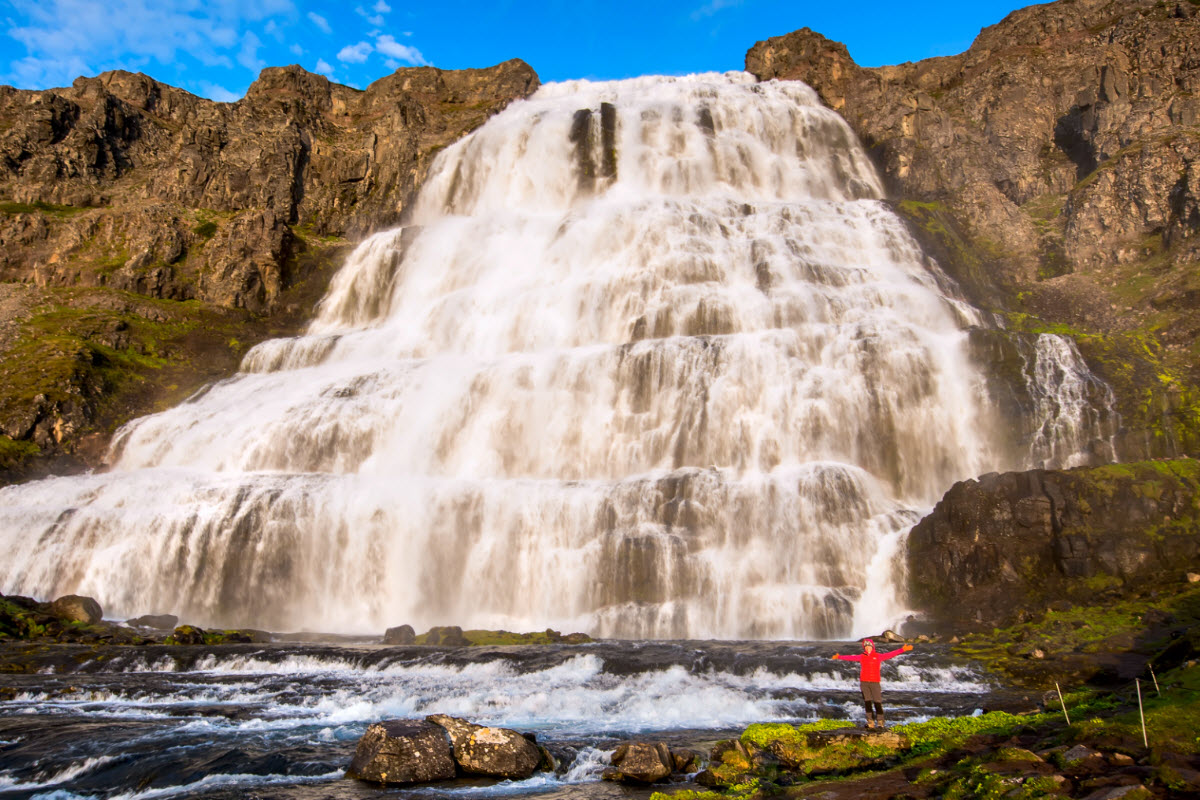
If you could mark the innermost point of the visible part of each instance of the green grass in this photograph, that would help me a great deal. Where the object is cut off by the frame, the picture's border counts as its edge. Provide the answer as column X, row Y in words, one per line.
column 942, row 734
column 14, row 452
column 1115, row 626
column 16, row 622
column 39, row 207
column 206, row 229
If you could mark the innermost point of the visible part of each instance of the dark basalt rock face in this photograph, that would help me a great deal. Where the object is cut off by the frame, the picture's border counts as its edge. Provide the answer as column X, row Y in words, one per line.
column 120, row 195
column 1018, row 541
column 1052, row 169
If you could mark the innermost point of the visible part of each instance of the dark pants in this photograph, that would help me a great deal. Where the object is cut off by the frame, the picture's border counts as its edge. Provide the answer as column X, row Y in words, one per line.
column 872, row 694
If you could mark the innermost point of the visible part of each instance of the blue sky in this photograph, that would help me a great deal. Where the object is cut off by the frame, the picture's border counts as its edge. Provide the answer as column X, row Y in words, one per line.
column 216, row 48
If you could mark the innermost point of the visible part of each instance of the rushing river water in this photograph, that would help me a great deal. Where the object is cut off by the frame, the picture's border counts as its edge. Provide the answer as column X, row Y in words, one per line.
column 281, row 721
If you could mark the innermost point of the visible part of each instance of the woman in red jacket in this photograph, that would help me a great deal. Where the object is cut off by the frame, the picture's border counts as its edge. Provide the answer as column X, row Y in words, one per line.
column 868, row 678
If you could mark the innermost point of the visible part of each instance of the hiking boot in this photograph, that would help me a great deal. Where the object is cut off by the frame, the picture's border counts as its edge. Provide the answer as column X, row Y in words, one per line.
column 870, row 724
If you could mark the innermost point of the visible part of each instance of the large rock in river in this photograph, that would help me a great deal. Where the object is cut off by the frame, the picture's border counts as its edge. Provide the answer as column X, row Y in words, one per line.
column 494, row 752
column 76, row 608
column 402, row 634
column 402, row 751
column 641, row 762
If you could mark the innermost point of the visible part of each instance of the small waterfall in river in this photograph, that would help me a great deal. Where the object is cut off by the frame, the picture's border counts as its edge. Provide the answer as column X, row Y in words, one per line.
column 652, row 360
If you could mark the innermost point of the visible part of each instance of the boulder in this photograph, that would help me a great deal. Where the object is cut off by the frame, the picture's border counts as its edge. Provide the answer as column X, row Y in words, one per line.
column 494, row 752
column 1080, row 755
column 75, row 608
column 401, row 752
column 640, row 762
column 160, row 622
column 447, row 636
column 404, row 634
column 686, row 760
column 186, row 634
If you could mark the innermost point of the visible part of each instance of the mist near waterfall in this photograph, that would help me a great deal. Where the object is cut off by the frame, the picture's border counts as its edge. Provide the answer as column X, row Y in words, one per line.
column 652, row 360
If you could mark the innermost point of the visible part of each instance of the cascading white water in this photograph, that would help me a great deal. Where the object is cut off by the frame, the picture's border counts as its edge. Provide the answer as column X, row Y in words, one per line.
column 653, row 360
column 1073, row 409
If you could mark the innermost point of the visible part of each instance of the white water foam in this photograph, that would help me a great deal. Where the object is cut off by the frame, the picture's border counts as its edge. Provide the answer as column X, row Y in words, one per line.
column 577, row 696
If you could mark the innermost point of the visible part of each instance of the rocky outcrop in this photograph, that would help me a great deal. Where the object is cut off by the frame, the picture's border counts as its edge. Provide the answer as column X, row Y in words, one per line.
column 997, row 547
column 70, row 619
column 126, row 182
column 120, row 188
column 1052, row 170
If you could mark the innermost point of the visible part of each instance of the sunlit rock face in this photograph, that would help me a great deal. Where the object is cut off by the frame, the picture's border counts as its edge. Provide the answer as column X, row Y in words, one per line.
column 653, row 360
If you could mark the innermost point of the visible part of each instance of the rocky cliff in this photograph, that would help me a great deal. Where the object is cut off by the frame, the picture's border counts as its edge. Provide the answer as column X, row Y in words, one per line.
column 1007, row 544
column 1053, row 171
column 148, row 236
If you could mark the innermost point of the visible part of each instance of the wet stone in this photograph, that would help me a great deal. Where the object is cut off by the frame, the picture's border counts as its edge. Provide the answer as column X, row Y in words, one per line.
column 640, row 762
column 401, row 752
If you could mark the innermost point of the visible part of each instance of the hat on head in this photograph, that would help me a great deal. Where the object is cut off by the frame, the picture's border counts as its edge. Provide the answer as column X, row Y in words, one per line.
column 868, row 642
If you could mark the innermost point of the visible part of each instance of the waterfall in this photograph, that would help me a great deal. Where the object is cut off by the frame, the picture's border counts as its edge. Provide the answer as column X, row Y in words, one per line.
column 652, row 360
column 1074, row 411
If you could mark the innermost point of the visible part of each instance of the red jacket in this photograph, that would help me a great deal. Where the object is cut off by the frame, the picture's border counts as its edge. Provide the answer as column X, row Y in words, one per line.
column 870, row 663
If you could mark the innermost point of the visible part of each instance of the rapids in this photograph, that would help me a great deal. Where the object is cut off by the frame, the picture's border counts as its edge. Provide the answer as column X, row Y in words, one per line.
column 281, row 721
column 652, row 360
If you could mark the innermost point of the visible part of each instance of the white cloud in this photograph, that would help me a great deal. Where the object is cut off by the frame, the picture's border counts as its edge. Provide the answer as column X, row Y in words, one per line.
column 66, row 38
column 372, row 19
column 388, row 46
column 248, row 57
column 320, row 22
column 382, row 7
column 324, row 67
column 219, row 93
column 713, row 6
column 355, row 53
column 297, row 50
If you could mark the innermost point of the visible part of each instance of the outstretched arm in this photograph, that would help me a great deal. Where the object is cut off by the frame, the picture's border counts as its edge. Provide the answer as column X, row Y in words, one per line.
column 894, row 653
column 848, row 658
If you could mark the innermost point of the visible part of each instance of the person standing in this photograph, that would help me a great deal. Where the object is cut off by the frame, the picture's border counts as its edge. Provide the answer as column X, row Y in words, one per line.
column 868, row 678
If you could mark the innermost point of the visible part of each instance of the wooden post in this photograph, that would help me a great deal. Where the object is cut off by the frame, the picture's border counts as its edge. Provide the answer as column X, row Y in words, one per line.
column 1154, row 678
column 1062, row 703
column 1141, row 714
